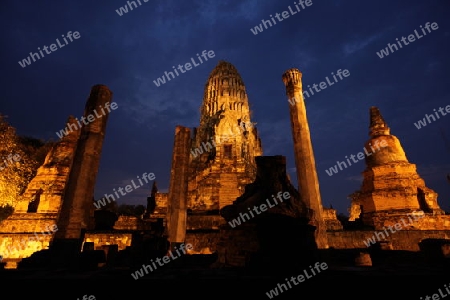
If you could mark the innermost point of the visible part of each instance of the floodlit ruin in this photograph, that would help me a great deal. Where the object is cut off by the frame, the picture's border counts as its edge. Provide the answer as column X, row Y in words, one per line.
column 219, row 177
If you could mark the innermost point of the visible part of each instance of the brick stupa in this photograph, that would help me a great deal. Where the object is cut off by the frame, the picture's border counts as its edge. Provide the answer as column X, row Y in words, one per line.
column 392, row 188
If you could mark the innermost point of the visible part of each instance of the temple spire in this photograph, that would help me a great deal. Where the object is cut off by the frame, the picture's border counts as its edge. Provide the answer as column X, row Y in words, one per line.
column 378, row 125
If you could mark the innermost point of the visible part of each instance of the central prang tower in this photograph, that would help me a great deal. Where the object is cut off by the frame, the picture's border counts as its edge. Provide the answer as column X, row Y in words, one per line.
column 224, row 146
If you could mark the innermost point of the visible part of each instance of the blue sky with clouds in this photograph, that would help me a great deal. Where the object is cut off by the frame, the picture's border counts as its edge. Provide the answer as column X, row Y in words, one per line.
column 128, row 52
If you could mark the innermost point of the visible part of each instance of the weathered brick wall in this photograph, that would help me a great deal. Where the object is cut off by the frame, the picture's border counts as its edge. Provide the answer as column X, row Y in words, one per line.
column 99, row 239
column 203, row 232
column 15, row 246
column 400, row 240
column 27, row 223
column 161, row 202
column 204, row 222
column 426, row 222
column 130, row 223
column 331, row 221
column 203, row 242
column 236, row 246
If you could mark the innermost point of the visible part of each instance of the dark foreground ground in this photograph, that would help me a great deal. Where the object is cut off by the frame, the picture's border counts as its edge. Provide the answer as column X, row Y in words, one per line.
column 395, row 276
column 334, row 283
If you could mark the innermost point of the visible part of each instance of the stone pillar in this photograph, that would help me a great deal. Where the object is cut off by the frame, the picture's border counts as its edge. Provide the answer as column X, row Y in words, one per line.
column 308, row 182
column 178, row 190
column 77, row 210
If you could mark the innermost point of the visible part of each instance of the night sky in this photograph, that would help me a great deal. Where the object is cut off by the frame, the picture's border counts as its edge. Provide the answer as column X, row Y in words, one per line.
column 127, row 53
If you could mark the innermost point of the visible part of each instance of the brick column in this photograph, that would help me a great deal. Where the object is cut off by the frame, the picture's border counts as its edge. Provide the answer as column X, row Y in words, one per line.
column 308, row 182
column 178, row 190
column 77, row 210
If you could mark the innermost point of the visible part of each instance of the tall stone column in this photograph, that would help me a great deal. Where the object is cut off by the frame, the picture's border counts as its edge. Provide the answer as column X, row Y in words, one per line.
column 77, row 210
column 178, row 189
column 308, row 182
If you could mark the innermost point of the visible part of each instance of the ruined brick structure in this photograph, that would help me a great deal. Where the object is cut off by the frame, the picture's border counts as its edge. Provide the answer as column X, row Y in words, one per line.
column 39, row 205
column 178, row 196
column 264, row 237
column 392, row 187
column 218, row 172
column 62, row 191
column 77, row 211
column 222, row 154
column 330, row 219
column 228, row 139
column 305, row 163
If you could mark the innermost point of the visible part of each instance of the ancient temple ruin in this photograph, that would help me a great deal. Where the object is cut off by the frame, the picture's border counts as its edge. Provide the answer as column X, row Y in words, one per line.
column 392, row 187
column 39, row 206
column 221, row 157
column 76, row 215
column 54, row 199
column 222, row 161
column 229, row 141
column 219, row 180
column 308, row 182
